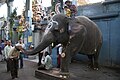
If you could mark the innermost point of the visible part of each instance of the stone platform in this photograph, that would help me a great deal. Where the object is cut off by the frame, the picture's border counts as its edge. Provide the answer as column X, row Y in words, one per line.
column 53, row 74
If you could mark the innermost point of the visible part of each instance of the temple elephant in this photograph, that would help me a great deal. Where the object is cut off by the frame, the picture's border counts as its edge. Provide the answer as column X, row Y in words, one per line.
column 77, row 35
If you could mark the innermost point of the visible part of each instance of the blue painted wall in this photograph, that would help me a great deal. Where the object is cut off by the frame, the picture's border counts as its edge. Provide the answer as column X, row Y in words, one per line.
column 107, row 17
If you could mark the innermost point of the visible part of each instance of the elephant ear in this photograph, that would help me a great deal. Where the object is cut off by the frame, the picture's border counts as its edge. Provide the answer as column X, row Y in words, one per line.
column 74, row 27
column 67, row 21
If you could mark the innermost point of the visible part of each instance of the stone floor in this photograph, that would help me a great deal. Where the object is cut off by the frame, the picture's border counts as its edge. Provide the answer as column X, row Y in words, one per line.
column 80, row 71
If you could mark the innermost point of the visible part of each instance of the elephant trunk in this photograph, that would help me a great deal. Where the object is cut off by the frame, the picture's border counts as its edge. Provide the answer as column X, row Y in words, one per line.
column 45, row 42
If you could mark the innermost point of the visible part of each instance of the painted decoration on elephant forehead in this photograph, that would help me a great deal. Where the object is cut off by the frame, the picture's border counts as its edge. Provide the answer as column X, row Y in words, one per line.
column 49, row 26
column 54, row 21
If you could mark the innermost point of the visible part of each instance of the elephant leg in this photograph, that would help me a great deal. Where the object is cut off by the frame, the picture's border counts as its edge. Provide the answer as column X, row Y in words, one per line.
column 70, row 50
column 74, row 45
column 91, row 61
column 95, row 61
column 96, row 56
column 65, row 57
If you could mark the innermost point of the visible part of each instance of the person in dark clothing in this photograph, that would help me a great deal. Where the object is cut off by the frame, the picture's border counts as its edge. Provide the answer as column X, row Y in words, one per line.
column 0, row 54
column 1, row 50
column 21, row 53
column 21, row 60
column 40, row 57
column 14, row 67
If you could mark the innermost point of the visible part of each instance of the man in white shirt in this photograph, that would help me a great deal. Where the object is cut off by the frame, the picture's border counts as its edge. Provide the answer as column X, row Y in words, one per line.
column 42, row 53
column 6, row 53
column 46, row 62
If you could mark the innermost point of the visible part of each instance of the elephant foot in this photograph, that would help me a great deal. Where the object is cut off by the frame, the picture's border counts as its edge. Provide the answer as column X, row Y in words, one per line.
column 96, row 69
column 64, row 75
column 93, row 67
column 90, row 66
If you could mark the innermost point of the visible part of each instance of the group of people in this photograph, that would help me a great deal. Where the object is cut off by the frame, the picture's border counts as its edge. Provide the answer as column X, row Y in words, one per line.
column 69, row 9
column 12, row 55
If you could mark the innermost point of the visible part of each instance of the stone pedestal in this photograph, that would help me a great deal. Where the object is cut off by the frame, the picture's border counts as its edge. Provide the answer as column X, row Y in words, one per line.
column 53, row 74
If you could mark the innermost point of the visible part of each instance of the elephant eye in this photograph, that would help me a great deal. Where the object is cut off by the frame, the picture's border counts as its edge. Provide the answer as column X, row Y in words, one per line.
column 61, row 30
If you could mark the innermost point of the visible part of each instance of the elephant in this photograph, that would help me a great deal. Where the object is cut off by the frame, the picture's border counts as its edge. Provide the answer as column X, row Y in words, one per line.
column 77, row 35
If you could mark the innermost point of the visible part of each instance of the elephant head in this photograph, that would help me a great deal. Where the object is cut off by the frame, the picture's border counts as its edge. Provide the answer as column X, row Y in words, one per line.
column 56, row 32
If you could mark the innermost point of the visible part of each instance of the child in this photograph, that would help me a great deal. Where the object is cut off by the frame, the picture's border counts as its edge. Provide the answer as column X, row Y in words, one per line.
column 67, row 11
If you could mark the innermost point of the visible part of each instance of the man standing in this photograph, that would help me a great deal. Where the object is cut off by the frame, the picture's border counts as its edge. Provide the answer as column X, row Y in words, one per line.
column 6, row 53
column 13, row 60
column 0, row 54
column 20, row 42
column 1, row 50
